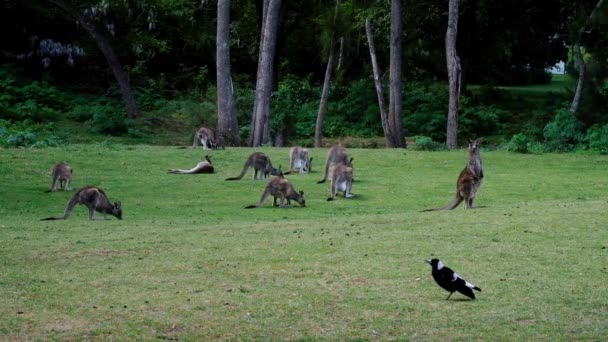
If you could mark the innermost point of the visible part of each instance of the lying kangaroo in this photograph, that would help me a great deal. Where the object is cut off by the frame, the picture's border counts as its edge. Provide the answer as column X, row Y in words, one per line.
column 203, row 167
column 470, row 179
column 336, row 155
column 206, row 137
column 281, row 188
column 260, row 163
column 300, row 160
column 341, row 177
column 96, row 200
column 61, row 174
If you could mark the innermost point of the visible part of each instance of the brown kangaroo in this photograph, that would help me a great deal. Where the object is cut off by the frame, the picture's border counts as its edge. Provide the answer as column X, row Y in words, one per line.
column 61, row 174
column 260, row 163
column 203, row 167
column 281, row 188
column 341, row 177
column 300, row 160
column 206, row 137
column 336, row 155
column 96, row 200
column 470, row 179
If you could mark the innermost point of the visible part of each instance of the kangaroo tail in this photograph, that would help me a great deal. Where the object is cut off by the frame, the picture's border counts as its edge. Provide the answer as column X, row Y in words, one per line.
column 457, row 200
column 52, row 218
column 251, row 206
column 245, row 167
column 68, row 209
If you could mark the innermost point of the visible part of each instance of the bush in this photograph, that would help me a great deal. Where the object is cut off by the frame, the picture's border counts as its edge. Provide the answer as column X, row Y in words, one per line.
column 522, row 143
column 597, row 136
column 422, row 143
column 26, row 133
column 564, row 132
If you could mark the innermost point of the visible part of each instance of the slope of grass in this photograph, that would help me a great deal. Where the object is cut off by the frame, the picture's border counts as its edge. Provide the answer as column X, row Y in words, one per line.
column 188, row 262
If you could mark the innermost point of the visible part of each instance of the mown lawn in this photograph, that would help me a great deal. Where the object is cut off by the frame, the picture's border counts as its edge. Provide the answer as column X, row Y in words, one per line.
column 187, row 262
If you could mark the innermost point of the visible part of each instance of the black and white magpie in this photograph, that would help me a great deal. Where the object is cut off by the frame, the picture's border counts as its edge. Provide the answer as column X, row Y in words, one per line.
column 450, row 280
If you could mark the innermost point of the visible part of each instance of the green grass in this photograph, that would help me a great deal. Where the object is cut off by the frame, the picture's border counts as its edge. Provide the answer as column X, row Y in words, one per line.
column 188, row 263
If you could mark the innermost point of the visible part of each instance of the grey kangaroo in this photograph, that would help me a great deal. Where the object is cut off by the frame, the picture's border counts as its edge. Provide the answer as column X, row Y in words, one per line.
column 61, row 174
column 96, row 200
column 299, row 160
column 280, row 188
column 204, row 166
column 205, row 137
column 261, row 164
column 470, row 179
column 341, row 177
column 336, row 155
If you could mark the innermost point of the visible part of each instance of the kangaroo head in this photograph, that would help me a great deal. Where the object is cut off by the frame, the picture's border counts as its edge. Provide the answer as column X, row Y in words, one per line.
column 308, row 166
column 208, row 159
column 474, row 144
column 276, row 172
column 301, row 199
column 117, row 210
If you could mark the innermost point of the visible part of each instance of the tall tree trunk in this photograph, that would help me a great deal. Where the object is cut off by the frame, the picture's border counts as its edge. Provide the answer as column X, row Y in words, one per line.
column 386, row 127
column 108, row 53
column 395, row 113
column 227, row 123
column 454, row 72
column 324, row 98
column 580, row 61
column 261, row 16
column 264, row 77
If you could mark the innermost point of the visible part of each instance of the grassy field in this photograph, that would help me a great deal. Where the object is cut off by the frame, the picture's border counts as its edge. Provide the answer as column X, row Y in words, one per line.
column 187, row 262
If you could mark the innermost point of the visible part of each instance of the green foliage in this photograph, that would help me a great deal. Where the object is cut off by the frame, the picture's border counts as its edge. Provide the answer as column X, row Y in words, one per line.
column 27, row 133
column 522, row 143
column 422, row 143
column 425, row 107
column 564, row 132
column 480, row 121
column 597, row 136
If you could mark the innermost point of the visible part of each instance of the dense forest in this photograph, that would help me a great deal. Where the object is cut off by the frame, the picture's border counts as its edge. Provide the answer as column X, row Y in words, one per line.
column 144, row 69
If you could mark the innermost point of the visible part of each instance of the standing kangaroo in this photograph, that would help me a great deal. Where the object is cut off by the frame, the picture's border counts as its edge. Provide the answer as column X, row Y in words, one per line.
column 206, row 137
column 96, row 200
column 281, row 188
column 470, row 179
column 260, row 163
column 336, row 155
column 300, row 160
column 341, row 177
column 203, row 167
column 61, row 174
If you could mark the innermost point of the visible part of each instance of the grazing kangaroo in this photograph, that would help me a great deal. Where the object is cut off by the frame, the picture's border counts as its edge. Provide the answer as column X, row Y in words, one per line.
column 61, row 174
column 300, row 160
column 260, row 163
column 206, row 137
column 96, row 200
column 470, row 179
column 341, row 177
column 203, row 167
column 336, row 155
column 281, row 188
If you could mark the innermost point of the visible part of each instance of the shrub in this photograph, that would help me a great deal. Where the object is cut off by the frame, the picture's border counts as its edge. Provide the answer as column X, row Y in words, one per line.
column 564, row 132
column 522, row 143
column 597, row 136
column 26, row 133
column 422, row 143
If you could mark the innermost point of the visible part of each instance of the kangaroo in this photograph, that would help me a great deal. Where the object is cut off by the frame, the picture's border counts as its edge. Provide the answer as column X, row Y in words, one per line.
column 61, row 174
column 96, row 200
column 299, row 160
column 341, row 177
column 206, row 137
column 281, row 188
column 203, row 167
column 336, row 155
column 470, row 179
column 260, row 163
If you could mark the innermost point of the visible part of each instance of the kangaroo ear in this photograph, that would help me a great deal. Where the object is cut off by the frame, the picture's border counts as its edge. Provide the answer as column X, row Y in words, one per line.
column 351, row 159
column 117, row 204
column 302, row 193
column 470, row 141
column 310, row 159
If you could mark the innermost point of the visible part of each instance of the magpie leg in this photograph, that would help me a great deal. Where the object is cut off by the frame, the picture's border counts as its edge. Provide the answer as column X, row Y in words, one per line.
column 449, row 295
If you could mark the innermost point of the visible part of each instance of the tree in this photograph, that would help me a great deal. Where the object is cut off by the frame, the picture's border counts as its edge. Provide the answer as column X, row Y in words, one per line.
column 454, row 73
column 395, row 113
column 263, row 89
column 227, row 123
column 108, row 52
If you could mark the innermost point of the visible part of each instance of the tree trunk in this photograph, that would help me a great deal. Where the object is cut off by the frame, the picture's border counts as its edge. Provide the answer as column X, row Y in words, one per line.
column 454, row 72
column 580, row 61
column 395, row 113
column 264, row 77
column 108, row 53
column 227, row 123
column 386, row 127
column 324, row 99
